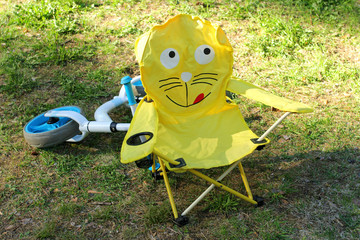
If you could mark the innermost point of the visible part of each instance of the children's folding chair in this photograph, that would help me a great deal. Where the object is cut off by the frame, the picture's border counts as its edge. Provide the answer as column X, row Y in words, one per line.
column 185, row 119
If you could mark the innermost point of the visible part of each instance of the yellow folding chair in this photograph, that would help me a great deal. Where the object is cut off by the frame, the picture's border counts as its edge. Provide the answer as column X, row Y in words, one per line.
column 186, row 120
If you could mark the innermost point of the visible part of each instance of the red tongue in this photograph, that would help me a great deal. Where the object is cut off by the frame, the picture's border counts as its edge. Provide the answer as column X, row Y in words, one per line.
column 199, row 98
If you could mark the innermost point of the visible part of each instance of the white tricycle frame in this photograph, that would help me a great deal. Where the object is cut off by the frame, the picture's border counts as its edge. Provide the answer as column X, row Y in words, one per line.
column 131, row 92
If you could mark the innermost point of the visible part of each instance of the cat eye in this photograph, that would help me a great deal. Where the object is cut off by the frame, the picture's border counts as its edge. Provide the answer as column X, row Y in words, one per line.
column 204, row 54
column 169, row 58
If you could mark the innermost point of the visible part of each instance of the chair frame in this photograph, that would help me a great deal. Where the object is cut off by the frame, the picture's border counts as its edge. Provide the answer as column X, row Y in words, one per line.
column 182, row 219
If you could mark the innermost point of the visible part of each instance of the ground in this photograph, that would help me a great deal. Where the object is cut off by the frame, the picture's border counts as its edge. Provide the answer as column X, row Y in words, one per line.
column 74, row 52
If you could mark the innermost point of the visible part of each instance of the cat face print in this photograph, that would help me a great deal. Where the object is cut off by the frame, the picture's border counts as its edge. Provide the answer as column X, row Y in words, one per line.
column 181, row 88
column 185, row 63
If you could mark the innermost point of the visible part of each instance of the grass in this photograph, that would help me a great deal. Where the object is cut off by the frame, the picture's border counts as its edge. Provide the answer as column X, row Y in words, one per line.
column 74, row 52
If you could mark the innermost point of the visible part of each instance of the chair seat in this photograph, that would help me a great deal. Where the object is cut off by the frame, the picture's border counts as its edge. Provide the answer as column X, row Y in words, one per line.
column 211, row 141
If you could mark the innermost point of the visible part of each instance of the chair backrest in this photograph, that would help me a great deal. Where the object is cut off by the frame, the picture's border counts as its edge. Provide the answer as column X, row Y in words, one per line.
column 185, row 67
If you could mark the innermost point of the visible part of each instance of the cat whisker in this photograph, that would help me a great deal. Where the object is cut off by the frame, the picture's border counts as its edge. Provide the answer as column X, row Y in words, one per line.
column 201, row 82
column 166, row 79
column 205, row 73
column 172, row 87
column 208, row 78
column 169, row 84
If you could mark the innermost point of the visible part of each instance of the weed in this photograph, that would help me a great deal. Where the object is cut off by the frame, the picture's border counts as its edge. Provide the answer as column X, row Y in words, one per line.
column 56, row 51
column 241, row 11
column 73, row 88
column 129, row 29
column 122, row 2
column 351, row 221
column 56, row 15
column 233, row 229
column 222, row 202
column 110, row 176
column 47, row 230
column 17, row 81
column 110, row 213
column 69, row 209
column 273, row 227
column 156, row 214
column 280, row 37
column 323, row 9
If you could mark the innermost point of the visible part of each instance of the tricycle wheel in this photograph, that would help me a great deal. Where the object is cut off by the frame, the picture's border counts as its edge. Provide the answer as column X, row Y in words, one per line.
column 44, row 132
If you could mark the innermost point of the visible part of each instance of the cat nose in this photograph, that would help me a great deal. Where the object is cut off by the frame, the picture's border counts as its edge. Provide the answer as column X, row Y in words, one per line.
column 186, row 76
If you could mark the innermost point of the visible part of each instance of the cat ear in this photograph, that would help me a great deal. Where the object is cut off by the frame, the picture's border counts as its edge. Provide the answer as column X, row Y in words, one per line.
column 140, row 46
column 221, row 37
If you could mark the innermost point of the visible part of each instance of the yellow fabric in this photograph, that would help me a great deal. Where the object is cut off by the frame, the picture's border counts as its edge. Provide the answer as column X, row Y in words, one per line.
column 145, row 120
column 252, row 92
column 185, row 67
column 174, row 97
column 211, row 141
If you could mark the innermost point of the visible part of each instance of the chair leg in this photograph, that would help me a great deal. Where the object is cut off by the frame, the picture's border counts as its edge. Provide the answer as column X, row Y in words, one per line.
column 153, row 167
column 157, row 175
column 255, row 198
column 245, row 181
column 222, row 186
column 209, row 188
column 168, row 189
column 259, row 200
column 182, row 219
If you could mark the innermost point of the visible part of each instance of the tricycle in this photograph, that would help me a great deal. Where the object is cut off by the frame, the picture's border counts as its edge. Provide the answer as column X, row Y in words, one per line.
column 68, row 123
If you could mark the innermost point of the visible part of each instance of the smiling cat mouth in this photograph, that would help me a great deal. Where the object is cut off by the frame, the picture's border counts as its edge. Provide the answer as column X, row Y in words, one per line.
column 197, row 100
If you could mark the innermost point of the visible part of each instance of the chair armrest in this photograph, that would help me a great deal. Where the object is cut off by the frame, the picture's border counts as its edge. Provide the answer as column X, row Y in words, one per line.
column 253, row 92
column 141, row 137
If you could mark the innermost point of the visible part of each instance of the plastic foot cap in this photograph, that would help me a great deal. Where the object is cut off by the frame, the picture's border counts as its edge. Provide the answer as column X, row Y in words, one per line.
column 157, row 175
column 259, row 200
column 182, row 221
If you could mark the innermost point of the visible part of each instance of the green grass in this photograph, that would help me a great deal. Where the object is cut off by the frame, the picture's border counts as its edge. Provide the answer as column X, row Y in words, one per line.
column 74, row 52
